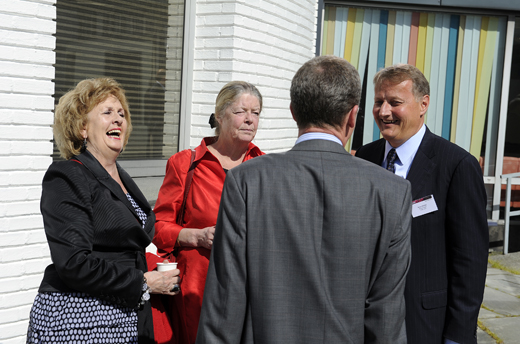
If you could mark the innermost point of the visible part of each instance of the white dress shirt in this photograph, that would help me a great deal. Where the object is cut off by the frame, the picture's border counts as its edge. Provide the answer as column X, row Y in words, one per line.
column 405, row 153
column 318, row 136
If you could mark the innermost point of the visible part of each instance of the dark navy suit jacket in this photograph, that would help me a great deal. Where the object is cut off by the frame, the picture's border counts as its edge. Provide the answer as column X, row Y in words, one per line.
column 445, row 284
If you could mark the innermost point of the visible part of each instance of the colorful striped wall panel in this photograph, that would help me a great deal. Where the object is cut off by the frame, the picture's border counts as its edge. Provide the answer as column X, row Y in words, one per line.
column 459, row 55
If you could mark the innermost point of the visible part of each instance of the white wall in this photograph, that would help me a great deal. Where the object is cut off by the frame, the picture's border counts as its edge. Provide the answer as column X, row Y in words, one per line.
column 262, row 42
column 26, row 103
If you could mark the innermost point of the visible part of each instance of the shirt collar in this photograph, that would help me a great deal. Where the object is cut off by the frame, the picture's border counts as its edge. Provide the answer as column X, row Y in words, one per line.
column 406, row 152
column 202, row 149
column 318, row 136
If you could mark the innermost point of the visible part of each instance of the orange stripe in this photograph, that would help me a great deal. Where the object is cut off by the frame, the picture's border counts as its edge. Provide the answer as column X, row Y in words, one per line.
column 414, row 31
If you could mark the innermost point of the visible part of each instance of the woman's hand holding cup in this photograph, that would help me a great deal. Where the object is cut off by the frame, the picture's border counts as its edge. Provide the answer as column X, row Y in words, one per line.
column 165, row 280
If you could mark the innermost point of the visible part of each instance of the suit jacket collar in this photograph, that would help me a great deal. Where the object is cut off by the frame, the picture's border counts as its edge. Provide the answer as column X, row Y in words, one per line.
column 376, row 154
column 104, row 178
column 320, row 146
column 423, row 164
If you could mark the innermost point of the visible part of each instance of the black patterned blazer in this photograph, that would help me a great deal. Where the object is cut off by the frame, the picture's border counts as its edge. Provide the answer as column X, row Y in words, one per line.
column 96, row 240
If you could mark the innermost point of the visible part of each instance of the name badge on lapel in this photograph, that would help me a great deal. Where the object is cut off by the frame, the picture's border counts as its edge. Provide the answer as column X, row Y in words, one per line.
column 424, row 206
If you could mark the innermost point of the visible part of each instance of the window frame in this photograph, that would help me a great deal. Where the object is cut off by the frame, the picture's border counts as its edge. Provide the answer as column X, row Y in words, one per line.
column 146, row 176
column 149, row 173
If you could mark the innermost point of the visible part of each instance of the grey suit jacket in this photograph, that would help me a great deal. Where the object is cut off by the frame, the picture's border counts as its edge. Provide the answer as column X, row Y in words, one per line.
column 311, row 246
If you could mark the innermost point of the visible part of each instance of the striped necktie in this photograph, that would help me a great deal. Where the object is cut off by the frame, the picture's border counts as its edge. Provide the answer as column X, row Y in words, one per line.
column 390, row 160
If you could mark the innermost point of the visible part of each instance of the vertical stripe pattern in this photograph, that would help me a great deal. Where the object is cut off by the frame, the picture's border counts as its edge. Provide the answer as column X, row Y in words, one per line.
column 461, row 56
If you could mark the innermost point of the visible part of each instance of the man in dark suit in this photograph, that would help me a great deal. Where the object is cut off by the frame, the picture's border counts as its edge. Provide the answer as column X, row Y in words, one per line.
column 445, row 285
column 311, row 245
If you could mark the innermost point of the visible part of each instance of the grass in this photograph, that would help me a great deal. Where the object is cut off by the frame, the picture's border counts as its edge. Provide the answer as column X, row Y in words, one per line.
column 499, row 315
column 498, row 265
column 487, row 308
column 484, row 328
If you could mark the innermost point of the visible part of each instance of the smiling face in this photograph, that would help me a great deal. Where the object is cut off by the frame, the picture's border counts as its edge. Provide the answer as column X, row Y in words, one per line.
column 106, row 129
column 397, row 112
column 240, row 119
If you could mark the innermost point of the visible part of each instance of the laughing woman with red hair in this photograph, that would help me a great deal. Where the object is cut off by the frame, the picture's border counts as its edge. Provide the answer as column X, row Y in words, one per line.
column 98, row 224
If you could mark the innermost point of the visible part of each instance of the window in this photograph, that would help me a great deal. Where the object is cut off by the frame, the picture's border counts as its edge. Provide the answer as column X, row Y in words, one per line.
column 139, row 44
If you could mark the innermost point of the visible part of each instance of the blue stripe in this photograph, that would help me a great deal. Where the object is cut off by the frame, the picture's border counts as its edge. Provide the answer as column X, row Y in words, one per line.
column 381, row 54
column 368, row 129
column 450, row 76
column 383, row 28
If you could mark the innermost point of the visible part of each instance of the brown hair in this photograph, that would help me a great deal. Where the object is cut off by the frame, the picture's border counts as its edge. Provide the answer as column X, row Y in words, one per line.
column 323, row 91
column 70, row 115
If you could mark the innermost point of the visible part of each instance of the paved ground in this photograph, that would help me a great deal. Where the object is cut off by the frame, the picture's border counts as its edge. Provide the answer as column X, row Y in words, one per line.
column 500, row 312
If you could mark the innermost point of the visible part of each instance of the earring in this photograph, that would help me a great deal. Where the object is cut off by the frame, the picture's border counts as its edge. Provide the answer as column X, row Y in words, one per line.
column 84, row 146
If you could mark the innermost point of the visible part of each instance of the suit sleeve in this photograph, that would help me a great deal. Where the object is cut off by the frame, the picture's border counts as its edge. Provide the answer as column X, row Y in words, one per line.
column 467, row 243
column 169, row 202
column 66, row 206
column 225, row 296
column 385, row 305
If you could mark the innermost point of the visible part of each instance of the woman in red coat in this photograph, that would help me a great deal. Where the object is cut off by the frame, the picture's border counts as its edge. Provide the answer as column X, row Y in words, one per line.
column 237, row 112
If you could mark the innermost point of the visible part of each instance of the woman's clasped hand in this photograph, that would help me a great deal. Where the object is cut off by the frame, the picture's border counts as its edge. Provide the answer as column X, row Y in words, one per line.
column 197, row 237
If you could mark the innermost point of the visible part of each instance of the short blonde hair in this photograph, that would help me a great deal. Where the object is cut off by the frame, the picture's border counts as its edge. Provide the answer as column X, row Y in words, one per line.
column 229, row 94
column 70, row 115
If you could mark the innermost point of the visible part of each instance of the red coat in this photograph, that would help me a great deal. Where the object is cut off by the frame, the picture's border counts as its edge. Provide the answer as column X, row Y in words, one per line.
column 201, row 211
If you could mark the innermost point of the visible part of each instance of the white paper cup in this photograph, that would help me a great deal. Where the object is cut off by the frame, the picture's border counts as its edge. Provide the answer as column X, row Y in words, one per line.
column 166, row 266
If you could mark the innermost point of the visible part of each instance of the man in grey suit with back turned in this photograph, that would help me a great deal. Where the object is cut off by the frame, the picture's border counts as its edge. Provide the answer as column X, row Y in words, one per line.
column 311, row 245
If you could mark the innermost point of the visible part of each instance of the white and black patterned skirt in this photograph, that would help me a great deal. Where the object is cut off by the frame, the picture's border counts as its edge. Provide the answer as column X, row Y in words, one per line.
column 80, row 318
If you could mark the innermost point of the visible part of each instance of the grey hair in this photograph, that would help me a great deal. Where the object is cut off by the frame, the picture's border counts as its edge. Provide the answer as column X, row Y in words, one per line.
column 229, row 94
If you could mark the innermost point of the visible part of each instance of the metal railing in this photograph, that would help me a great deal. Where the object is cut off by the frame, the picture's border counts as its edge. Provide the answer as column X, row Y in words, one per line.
column 508, row 213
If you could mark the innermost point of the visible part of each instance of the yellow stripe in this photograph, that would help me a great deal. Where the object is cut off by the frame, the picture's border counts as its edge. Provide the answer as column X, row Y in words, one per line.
column 356, row 46
column 390, row 36
column 481, row 52
column 325, row 30
column 456, row 86
column 421, row 41
column 487, row 48
column 429, row 46
column 331, row 31
column 349, row 39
